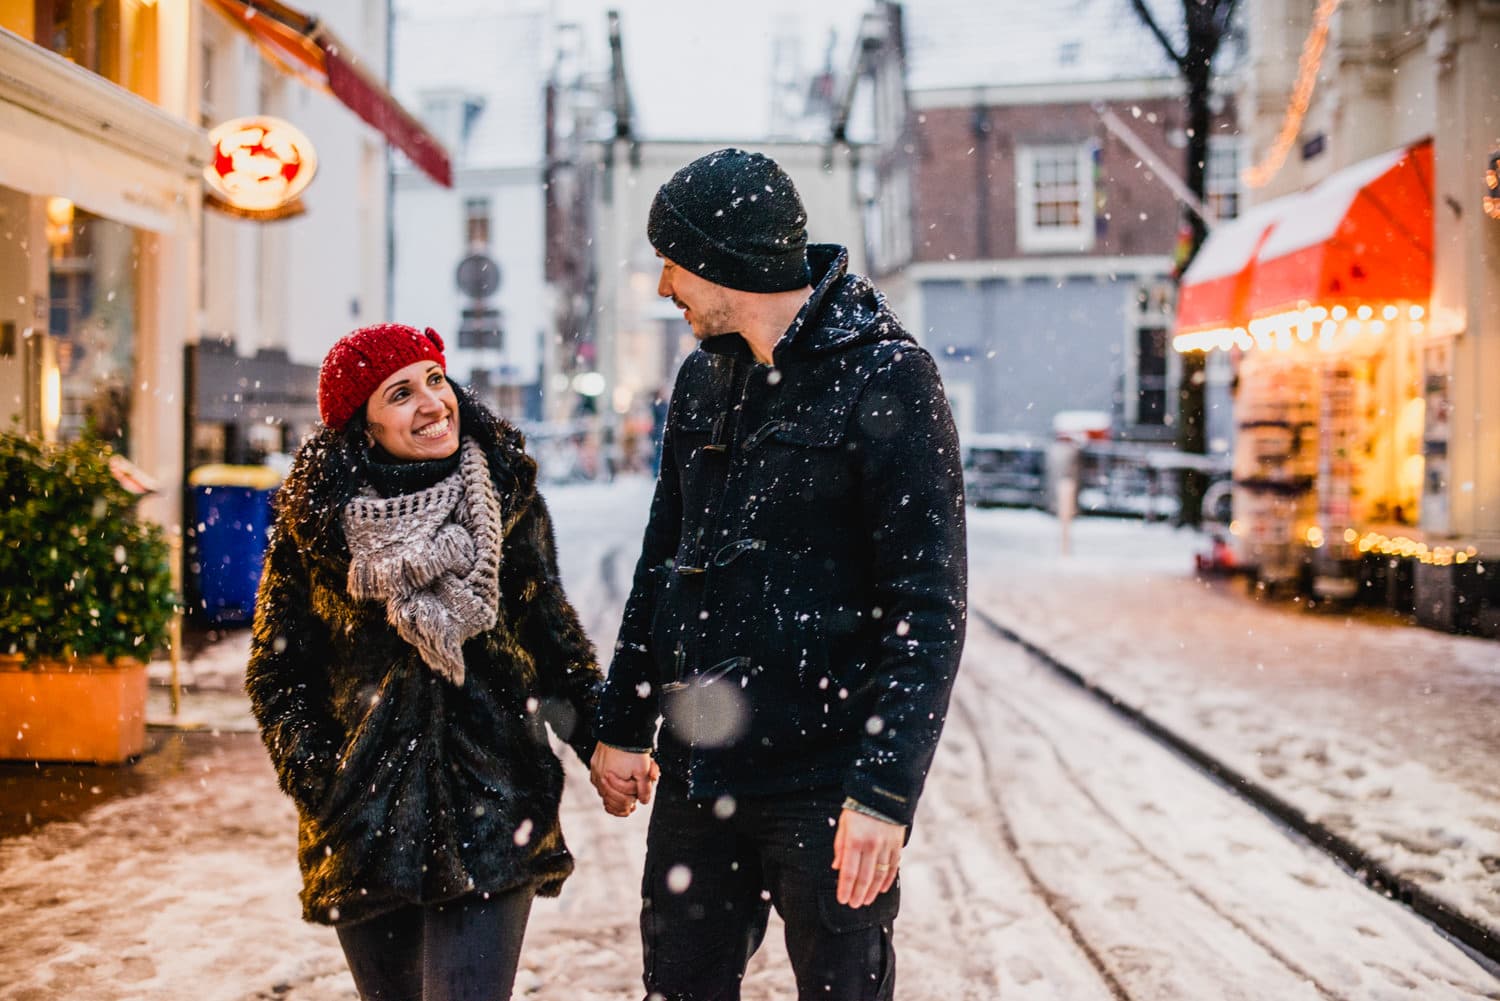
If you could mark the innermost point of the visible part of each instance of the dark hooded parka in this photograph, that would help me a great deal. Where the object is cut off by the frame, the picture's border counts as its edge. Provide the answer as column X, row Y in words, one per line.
column 798, row 609
column 409, row 789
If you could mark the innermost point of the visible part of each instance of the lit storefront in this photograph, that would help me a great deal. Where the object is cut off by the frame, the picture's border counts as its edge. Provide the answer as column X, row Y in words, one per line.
column 99, row 203
column 1322, row 299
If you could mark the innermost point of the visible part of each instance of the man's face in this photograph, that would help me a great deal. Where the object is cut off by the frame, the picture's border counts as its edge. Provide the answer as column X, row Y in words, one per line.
column 708, row 308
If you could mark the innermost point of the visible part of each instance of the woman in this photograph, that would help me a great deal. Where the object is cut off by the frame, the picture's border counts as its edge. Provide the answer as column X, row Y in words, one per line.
column 411, row 640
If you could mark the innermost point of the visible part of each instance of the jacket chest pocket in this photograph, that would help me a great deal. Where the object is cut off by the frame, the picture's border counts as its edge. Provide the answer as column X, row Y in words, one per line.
column 800, row 462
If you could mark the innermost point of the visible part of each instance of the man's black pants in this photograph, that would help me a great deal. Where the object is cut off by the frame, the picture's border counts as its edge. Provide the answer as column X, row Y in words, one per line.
column 713, row 872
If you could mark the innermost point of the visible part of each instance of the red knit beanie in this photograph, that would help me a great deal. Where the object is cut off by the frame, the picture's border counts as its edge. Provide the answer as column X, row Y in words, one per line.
column 357, row 365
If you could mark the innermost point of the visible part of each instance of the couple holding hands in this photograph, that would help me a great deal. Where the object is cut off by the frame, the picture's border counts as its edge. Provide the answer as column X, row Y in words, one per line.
column 783, row 666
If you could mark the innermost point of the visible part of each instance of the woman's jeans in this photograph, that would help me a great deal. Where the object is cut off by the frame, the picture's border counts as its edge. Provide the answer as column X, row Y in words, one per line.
column 461, row 950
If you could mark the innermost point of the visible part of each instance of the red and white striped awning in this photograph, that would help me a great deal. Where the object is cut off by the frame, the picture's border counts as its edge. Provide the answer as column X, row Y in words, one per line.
column 1362, row 237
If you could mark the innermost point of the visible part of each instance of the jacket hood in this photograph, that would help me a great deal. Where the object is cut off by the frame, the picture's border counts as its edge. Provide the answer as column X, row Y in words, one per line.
column 332, row 466
column 844, row 311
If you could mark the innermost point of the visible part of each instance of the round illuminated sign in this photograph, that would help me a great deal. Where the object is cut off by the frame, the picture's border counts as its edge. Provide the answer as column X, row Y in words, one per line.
column 259, row 164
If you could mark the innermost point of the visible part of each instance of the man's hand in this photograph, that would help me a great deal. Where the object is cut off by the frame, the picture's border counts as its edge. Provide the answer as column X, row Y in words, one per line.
column 622, row 778
column 867, row 854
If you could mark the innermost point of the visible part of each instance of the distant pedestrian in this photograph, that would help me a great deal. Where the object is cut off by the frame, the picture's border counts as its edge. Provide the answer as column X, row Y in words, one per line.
column 658, row 427
column 411, row 640
column 798, row 608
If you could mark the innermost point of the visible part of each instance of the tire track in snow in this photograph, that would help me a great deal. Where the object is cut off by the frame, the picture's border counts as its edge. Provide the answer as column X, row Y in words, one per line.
column 1043, row 892
column 1182, row 879
column 1272, row 892
column 1477, row 939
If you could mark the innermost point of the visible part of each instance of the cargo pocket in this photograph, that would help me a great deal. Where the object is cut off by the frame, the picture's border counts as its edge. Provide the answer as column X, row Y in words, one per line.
column 842, row 919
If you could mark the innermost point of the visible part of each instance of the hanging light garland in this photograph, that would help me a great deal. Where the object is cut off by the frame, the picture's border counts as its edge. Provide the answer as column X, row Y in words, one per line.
column 1492, row 186
column 1307, row 78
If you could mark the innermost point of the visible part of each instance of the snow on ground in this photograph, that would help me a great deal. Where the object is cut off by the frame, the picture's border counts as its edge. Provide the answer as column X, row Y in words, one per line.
column 1381, row 731
column 1058, row 854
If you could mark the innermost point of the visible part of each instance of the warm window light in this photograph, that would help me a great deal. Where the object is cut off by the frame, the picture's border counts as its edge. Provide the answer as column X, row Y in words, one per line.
column 51, row 401
column 1339, row 313
column 1389, row 313
column 59, row 213
column 1417, row 312
column 1364, row 312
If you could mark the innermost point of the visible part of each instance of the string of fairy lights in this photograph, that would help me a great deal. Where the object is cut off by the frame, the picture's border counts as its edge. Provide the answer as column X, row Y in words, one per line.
column 1259, row 174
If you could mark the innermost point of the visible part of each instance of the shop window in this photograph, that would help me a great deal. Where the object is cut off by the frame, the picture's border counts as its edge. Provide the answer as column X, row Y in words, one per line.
column 1055, row 197
column 1222, row 188
column 476, row 223
column 92, row 322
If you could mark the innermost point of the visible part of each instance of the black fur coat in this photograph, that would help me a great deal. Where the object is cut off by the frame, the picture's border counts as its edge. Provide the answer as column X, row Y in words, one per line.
column 409, row 789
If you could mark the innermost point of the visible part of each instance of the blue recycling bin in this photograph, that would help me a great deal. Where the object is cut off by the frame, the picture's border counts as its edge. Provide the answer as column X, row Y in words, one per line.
column 232, row 521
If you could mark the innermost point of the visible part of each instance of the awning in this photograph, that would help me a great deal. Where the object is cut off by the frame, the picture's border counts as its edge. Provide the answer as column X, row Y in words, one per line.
column 1362, row 237
column 1216, row 285
column 305, row 48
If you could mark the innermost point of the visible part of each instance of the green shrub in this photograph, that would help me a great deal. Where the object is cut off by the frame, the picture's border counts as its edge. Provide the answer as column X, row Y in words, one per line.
column 80, row 573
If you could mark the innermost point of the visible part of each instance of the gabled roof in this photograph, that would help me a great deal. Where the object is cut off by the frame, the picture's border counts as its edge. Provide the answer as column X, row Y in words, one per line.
column 996, row 43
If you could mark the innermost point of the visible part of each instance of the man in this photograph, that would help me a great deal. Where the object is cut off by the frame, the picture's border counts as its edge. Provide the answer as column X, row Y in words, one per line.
column 797, row 612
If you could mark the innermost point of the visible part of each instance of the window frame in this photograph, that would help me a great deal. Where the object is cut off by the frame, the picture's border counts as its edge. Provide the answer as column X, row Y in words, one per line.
column 1032, row 236
column 1213, row 183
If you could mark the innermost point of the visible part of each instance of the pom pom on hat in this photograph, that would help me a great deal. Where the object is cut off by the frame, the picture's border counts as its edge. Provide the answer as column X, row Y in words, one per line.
column 360, row 361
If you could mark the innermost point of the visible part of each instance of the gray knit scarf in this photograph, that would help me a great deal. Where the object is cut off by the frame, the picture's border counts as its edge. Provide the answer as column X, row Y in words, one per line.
column 433, row 557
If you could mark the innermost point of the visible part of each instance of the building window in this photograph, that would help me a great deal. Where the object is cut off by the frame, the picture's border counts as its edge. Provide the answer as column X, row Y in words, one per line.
column 1055, row 202
column 1221, row 177
column 77, row 30
column 1148, row 362
column 1151, row 375
column 206, row 112
column 476, row 223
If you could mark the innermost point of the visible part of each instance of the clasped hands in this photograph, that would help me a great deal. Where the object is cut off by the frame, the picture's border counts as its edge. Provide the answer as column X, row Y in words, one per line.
column 622, row 778
column 866, row 850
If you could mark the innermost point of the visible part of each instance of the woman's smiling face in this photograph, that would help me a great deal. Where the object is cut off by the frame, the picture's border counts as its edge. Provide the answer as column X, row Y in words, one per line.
column 414, row 413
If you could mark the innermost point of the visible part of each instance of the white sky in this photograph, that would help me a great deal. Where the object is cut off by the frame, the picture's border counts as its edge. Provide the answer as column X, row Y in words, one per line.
column 701, row 68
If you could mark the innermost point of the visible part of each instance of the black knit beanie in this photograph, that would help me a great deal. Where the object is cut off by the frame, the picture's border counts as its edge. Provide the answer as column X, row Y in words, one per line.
column 734, row 218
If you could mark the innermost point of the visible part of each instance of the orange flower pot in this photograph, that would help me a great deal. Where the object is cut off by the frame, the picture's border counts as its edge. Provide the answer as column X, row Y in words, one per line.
column 86, row 709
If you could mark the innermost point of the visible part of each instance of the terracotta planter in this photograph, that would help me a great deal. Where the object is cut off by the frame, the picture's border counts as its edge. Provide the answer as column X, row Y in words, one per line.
column 87, row 709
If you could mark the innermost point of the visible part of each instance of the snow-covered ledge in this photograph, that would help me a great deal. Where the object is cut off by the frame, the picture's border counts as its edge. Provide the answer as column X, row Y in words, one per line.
column 48, row 85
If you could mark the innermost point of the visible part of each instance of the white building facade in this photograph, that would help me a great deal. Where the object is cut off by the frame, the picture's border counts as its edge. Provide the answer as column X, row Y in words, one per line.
column 277, row 294
column 477, row 76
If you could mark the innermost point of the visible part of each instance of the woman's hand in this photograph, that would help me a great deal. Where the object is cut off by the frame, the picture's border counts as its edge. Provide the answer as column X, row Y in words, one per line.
column 622, row 778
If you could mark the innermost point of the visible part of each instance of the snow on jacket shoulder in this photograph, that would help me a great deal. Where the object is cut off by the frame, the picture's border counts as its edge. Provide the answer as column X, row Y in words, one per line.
column 409, row 789
column 798, row 609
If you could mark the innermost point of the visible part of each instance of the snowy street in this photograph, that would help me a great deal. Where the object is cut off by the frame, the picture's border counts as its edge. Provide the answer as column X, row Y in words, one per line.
column 1059, row 853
